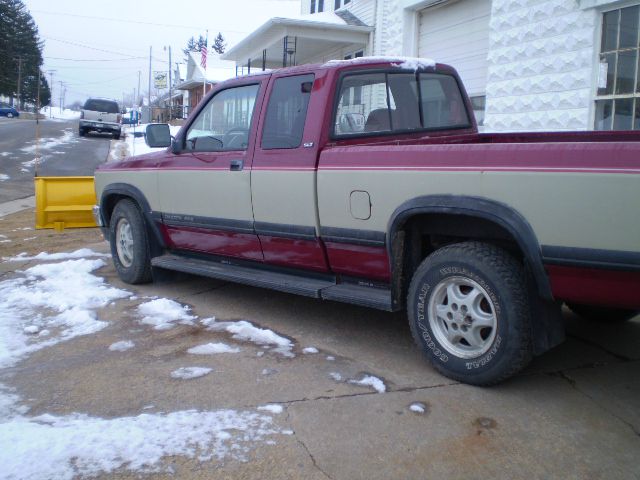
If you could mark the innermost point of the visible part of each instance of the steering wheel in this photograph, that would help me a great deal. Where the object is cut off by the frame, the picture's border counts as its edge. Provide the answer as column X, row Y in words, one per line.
column 233, row 134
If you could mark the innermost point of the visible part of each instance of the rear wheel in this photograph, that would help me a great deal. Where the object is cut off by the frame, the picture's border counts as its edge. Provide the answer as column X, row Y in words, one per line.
column 602, row 314
column 81, row 132
column 116, row 136
column 469, row 312
column 129, row 243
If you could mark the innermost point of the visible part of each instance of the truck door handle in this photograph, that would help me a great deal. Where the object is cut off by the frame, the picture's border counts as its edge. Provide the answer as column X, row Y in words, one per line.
column 236, row 165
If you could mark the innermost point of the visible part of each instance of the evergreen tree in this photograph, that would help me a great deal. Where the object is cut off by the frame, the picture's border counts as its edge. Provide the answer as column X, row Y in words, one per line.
column 193, row 45
column 219, row 44
column 20, row 54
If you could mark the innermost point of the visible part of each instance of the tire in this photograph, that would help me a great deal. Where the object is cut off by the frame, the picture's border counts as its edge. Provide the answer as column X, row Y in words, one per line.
column 81, row 132
column 479, row 342
column 129, row 243
column 602, row 314
column 116, row 136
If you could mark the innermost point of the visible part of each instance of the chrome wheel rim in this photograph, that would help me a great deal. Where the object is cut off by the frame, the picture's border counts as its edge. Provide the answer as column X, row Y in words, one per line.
column 124, row 242
column 462, row 317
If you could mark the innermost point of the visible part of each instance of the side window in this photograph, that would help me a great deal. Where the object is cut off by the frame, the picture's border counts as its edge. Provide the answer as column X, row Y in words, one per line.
column 442, row 104
column 287, row 112
column 363, row 106
column 398, row 102
column 225, row 122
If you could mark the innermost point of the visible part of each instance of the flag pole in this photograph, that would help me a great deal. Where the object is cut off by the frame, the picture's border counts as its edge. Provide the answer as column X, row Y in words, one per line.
column 206, row 54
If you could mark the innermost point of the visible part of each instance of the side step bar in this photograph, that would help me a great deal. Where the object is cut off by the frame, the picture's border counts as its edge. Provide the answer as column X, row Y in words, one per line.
column 378, row 298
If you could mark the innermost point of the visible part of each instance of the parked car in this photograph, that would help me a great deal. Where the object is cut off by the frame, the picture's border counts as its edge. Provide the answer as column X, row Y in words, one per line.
column 367, row 182
column 8, row 111
column 100, row 115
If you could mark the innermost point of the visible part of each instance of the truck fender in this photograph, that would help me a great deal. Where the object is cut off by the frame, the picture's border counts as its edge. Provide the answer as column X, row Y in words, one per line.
column 152, row 219
column 499, row 213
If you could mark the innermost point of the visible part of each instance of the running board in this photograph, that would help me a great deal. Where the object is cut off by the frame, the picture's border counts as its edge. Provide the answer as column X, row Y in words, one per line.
column 379, row 298
column 284, row 282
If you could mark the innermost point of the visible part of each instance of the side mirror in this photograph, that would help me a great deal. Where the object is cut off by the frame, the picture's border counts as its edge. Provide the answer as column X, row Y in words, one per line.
column 157, row 135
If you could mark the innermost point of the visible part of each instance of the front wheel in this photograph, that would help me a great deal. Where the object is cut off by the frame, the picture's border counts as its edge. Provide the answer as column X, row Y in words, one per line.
column 469, row 312
column 129, row 243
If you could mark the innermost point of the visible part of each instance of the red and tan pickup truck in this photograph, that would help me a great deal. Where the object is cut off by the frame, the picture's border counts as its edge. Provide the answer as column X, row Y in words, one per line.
column 367, row 182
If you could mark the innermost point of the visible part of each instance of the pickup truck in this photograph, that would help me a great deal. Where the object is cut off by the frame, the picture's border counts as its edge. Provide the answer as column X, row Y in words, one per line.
column 101, row 116
column 366, row 181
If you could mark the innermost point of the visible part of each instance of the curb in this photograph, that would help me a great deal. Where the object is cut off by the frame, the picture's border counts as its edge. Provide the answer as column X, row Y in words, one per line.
column 15, row 206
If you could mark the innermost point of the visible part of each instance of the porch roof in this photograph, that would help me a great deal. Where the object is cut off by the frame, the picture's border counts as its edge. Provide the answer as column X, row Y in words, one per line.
column 314, row 35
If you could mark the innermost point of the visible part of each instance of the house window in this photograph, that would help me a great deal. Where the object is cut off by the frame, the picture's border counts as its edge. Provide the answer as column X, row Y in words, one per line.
column 618, row 97
column 317, row 6
column 340, row 3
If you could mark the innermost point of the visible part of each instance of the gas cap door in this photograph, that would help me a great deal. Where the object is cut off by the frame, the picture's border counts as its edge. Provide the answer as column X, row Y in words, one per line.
column 360, row 205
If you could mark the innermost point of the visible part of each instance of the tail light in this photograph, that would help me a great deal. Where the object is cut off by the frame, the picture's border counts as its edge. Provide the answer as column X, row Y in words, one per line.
column 119, row 118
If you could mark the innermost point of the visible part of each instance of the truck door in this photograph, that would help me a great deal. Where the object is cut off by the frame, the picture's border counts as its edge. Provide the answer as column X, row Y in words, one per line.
column 283, row 177
column 205, row 190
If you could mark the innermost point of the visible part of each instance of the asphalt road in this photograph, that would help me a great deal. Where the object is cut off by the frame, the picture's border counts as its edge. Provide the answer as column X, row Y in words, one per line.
column 60, row 150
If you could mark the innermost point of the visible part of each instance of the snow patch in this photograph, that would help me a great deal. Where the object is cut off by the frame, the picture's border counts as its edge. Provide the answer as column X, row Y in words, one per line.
column 246, row 331
column 82, row 446
column 336, row 376
column 187, row 373
column 80, row 253
column 121, row 346
column 59, row 298
column 213, row 348
column 309, row 350
column 164, row 314
column 417, row 407
column 4, row 177
column 371, row 381
column 31, row 329
column 272, row 407
column 409, row 63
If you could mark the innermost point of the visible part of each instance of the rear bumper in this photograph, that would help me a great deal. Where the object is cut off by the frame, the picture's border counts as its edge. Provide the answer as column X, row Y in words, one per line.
column 100, row 126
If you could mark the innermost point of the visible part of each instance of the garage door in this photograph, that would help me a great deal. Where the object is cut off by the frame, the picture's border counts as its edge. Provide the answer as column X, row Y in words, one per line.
column 458, row 34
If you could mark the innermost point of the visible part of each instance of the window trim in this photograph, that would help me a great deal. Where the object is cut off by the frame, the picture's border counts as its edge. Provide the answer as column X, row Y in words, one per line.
column 183, row 139
column 336, row 103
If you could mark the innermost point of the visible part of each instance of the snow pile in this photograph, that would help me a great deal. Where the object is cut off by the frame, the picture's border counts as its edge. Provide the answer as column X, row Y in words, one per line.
column 3, row 177
column 56, row 113
column 121, row 346
column 81, row 253
column 60, row 298
column 136, row 145
column 75, row 446
column 246, row 331
column 371, row 381
column 187, row 373
column 164, row 314
column 213, row 348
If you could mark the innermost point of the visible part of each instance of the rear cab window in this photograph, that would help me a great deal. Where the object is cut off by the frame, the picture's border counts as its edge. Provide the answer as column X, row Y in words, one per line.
column 397, row 102
column 105, row 106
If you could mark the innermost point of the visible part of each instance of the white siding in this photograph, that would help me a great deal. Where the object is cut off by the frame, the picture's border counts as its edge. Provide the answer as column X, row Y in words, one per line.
column 541, row 65
column 458, row 35
column 363, row 9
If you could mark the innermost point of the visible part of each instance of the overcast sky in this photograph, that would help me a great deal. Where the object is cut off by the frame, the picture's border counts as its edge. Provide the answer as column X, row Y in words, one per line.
column 98, row 48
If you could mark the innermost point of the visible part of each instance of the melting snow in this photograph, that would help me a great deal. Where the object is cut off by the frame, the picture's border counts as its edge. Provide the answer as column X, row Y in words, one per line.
column 4, row 177
column 309, row 350
column 164, row 314
column 74, row 446
column 417, row 407
column 121, row 346
column 187, row 373
column 213, row 348
column 61, row 297
column 81, row 253
column 371, row 381
column 243, row 330
column 336, row 376
column 272, row 407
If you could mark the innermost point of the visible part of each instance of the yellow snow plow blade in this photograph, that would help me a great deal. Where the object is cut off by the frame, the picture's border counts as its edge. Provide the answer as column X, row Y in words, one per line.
column 64, row 202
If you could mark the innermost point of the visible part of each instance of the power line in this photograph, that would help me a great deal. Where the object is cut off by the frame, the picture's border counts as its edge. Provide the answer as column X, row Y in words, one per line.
column 95, row 59
column 90, row 48
column 118, row 20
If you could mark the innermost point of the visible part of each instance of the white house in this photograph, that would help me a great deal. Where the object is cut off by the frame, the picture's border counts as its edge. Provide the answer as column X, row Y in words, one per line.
column 526, row 64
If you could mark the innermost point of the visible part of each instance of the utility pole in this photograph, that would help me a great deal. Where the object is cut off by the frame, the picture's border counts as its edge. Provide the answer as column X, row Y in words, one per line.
column 38, row 104
column 170, row 95
column 19, row 80
column 138, row 97
column 51, row 72
column 60, row 107
column 149, row 105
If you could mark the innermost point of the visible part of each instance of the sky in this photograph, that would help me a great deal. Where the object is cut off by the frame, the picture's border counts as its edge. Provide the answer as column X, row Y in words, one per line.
column 97, row 48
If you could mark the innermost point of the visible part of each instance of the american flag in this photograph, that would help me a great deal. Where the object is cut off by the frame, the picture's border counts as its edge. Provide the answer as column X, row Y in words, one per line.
column 203, row 51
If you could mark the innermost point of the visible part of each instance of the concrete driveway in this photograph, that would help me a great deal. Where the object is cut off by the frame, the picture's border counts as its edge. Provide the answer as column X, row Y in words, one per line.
column 573, row 414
